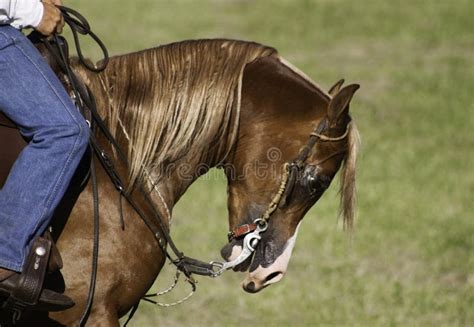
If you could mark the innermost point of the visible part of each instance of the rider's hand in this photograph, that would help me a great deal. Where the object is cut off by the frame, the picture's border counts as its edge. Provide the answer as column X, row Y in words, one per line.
column 52, row 20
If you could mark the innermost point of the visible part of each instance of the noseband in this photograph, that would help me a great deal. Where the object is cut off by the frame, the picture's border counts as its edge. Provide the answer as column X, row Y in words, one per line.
column 251, row 232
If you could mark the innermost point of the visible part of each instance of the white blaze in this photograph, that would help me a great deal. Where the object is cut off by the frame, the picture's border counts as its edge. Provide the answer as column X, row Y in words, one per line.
column 259, row 275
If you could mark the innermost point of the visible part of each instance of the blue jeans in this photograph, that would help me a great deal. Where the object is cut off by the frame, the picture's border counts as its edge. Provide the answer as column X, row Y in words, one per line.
column 32, row 96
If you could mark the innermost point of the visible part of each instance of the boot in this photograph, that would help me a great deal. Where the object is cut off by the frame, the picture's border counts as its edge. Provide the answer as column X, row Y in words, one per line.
column 48, row 299
column 25, row 291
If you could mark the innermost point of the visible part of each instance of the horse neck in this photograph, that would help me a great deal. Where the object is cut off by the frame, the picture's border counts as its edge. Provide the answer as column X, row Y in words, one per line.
column 175, row 182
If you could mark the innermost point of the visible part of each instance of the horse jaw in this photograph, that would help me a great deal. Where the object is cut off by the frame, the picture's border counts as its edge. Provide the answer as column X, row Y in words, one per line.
column 261, row 277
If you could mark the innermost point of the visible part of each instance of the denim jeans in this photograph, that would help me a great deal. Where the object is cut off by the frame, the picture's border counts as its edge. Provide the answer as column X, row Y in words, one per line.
column 32, row 96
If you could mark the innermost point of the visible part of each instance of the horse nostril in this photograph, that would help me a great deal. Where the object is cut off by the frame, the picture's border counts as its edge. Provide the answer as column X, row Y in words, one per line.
column 250, row 287
column 273, row 275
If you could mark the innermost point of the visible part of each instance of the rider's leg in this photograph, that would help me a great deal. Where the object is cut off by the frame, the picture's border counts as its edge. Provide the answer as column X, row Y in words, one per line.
column 32, row 96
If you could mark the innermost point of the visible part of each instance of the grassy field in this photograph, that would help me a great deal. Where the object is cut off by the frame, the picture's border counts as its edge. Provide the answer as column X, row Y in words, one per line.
column 411, row 262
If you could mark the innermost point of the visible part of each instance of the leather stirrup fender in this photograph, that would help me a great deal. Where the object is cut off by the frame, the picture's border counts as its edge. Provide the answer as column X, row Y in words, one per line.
column 29, row 284
column 55, row 259
column 31, row 281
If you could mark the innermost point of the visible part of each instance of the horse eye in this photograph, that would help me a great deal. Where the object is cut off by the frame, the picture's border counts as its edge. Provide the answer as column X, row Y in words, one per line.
column 317, row 183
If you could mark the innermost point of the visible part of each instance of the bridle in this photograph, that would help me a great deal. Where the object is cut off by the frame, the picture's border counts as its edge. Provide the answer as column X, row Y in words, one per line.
column 251, row 233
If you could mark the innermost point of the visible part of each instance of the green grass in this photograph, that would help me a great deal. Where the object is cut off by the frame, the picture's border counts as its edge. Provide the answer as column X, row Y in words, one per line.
column 411, row 262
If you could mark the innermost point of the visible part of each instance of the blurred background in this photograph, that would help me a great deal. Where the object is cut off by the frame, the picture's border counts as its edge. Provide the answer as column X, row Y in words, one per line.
column 411, row 260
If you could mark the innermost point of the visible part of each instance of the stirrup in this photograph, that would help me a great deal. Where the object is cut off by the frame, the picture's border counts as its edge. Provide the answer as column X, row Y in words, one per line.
column 24, row 292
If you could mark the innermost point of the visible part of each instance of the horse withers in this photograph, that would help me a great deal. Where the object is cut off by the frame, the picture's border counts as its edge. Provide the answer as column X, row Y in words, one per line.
column 201, row 104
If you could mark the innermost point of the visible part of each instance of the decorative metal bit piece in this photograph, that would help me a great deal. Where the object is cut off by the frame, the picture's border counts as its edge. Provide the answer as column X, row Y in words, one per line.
column 40, row 251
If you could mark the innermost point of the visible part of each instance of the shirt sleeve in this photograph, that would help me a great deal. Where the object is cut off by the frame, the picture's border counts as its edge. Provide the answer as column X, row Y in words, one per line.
column 21, row 13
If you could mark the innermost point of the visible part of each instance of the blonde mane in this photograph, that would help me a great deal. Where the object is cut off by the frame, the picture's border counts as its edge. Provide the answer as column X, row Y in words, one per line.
column 181, row 99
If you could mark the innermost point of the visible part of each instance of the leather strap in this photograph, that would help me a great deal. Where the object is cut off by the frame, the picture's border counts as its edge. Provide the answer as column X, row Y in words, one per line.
column 193, row 266
column 298, row 163
column 31, row 280
column 55, row 259
column 241, row 231
column 29, row 284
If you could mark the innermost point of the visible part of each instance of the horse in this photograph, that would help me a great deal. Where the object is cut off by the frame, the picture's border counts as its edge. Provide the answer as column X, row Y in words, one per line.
column 198, row 104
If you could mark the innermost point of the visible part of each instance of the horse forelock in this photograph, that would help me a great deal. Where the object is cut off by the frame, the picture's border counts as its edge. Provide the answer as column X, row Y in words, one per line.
column 348, row 178
column 181, row 99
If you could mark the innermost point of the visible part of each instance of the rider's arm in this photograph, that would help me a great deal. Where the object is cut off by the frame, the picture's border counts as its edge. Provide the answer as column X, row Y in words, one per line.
column 21, row 13
column 44, row 16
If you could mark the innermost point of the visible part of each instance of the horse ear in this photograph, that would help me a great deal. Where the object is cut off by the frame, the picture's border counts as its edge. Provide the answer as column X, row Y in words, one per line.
column 340, row 102
column 336, row 87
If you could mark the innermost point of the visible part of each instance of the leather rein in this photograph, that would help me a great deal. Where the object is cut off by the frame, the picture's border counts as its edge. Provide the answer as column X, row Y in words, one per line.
column 86, row 102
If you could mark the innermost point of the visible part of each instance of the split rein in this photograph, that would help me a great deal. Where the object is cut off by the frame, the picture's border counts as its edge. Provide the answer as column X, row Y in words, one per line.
column 85, row 102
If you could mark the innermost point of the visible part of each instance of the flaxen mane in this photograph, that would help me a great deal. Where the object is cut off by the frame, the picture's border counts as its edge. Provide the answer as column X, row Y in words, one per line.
column 176, row 100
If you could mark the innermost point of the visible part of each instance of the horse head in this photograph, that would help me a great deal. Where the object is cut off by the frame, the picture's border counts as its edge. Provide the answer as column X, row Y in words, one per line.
column 292, row 141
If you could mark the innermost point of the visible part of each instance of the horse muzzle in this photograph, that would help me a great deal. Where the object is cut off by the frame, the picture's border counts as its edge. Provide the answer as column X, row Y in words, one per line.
column 262, row 274
column 267, row 266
